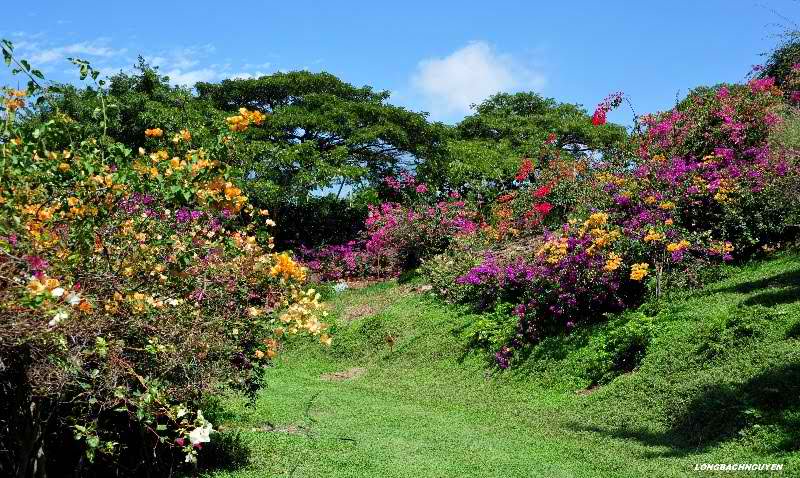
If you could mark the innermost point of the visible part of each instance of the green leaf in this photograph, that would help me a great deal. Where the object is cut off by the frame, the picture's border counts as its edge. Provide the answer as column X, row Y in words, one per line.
column 25, row 65
column 37, row 74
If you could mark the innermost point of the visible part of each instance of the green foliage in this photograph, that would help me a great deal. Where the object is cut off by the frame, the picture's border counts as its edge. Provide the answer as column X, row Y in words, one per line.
column 487, row 145
column 442, row 270
column 676, row 409
column 781, row 60
column 493, row 328
column 321, row 132
column 617, row 349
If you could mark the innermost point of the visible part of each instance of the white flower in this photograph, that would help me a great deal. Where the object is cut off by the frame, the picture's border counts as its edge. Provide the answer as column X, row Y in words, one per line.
column 73, row 298
column 58, row 318
column 191, row 458
column 340, row 287
column 57, row 292
column 201, row 434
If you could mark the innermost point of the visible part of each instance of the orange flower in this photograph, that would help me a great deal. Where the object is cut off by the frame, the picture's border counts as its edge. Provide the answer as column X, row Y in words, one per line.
column 154, row 133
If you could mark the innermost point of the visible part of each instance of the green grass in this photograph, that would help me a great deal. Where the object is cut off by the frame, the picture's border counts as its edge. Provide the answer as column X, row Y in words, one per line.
column 719, row 383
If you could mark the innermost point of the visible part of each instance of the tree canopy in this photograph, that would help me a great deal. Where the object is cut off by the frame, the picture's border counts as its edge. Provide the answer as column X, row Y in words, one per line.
column 486, row 146
column 321, row 132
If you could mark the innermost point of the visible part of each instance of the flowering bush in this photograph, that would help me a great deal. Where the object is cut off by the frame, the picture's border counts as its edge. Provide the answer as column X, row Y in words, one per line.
column 131, row 288
column 706, row 184
column 712, row 157
column 397, row 236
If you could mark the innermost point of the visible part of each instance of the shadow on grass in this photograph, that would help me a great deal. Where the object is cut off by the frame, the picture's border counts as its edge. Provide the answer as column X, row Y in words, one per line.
column 785, row 279
column 720, row 411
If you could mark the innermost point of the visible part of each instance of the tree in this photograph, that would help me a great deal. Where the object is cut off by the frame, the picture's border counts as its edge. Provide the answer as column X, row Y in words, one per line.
column 782, row 60
column 321, row 132
column 487, row 146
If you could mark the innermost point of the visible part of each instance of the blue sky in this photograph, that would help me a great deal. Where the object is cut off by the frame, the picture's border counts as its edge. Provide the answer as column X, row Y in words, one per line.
column 435, row 56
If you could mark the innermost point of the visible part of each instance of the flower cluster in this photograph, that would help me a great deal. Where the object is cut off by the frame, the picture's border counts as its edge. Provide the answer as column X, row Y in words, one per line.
column 609, row 103
column 243, row 120
column 695, row 193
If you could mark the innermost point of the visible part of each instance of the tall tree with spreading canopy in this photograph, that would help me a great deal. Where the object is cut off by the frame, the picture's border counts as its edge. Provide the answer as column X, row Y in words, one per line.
column 322, row 133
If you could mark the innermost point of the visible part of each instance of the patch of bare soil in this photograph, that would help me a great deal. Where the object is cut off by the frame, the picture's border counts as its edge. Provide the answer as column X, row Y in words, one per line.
column 349, row 374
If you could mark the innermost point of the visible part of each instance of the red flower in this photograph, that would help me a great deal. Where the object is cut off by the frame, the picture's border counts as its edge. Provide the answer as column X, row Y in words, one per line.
column 543, row 208
column 599, row 117
column 551, row 138
column 542, row 191
column 525, row 168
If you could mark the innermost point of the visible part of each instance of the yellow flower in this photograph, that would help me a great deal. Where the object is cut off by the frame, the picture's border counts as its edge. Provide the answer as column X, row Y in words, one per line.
column 242, row 121
column 653, row 236
column 613, row 262
column 326, row 339
column 287, row 268
column 35, row 287
column 186, row 135
column 639, row 271
column 677, row 246
column 667, row 205
column 154, row 132
column 259, row 354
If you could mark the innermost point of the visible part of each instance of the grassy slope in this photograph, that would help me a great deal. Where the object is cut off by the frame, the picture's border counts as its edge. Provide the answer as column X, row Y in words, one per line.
column 719, row 384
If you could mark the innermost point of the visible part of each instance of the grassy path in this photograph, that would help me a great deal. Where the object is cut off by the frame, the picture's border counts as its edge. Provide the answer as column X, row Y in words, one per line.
column 429, row 408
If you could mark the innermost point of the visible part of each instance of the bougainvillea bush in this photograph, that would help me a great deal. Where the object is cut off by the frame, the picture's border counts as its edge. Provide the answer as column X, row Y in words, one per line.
column 705, row 185
column 132, row 288
column 397, row 235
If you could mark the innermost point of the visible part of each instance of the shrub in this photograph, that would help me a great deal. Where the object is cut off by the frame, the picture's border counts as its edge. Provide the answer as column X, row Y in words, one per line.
column 131, row 288
column 397, row 236
column 706, row 184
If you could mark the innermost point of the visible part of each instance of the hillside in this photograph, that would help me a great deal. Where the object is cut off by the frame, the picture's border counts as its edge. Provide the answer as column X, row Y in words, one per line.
column 718, row 383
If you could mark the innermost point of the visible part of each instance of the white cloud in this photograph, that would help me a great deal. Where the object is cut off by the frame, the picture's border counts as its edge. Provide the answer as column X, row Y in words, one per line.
column 244, row 75
column 190, row 77
column 450, row 85
column 88, row 48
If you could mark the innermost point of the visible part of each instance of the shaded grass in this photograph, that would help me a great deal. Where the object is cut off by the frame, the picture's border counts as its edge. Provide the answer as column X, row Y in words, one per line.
column 719, row 383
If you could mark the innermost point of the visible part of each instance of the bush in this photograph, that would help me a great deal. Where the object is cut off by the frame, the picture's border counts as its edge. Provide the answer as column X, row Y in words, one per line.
column 707, row 183
column 397, row 236
column 132, row 287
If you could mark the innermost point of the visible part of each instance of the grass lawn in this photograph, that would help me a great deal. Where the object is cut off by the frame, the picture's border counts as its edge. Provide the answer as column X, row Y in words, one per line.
column 719, row 383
